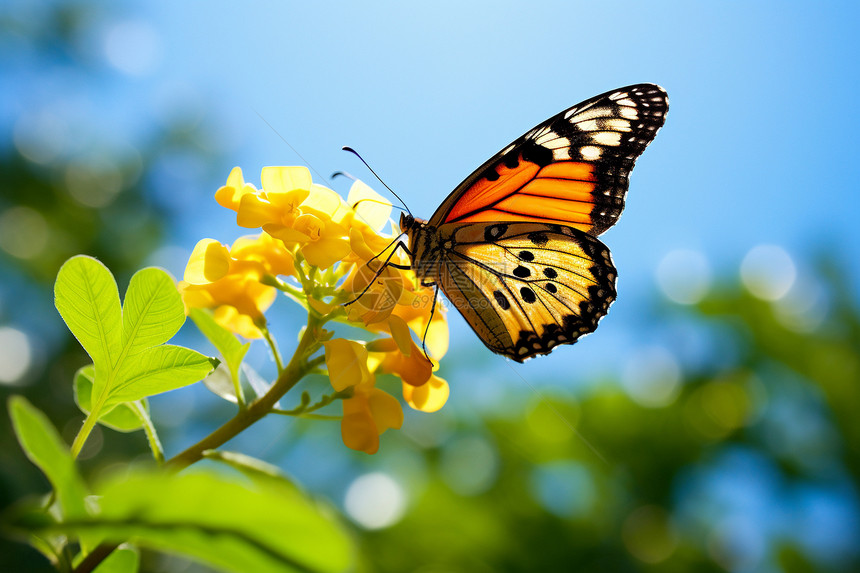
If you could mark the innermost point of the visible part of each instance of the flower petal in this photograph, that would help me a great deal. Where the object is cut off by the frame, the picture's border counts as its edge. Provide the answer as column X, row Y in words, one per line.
column 324, row 203
column 385, row 409
column 228, row 195
column 400, row 334
column 287, row 202
column 370, row 207
column 209, row 261
column 359, row 432
column 310, row 225
column 428, row 397
column 241, row 324
column 325, row 252
column 436, row 339
column 284, row 179
column 359, row 245
column 255, row 211
column 346, row 361
column 288, row 235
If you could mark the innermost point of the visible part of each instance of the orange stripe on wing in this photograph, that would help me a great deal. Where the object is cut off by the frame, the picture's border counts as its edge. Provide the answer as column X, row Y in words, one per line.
column 574, row 170
column 561, row 189
column 532, row 206
column 485, row 192
column 581, row 221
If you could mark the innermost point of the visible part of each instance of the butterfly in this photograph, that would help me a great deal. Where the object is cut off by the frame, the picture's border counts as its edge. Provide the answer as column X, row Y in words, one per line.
column 514, row 247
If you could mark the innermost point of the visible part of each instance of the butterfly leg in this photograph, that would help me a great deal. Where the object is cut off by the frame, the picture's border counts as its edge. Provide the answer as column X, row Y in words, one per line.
column 378, row 272
column 429, row 322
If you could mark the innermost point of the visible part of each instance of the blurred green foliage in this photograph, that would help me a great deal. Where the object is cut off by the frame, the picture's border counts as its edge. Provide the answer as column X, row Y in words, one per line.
column 775, row 413
column 64, row 192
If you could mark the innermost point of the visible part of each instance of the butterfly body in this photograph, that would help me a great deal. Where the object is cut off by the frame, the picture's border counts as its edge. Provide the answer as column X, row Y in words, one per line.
column 514, row 246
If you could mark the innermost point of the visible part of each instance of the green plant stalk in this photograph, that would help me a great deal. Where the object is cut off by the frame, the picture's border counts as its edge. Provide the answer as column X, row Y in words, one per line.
column 84, row 432
column 296, row 369
column 274, row 348
column 151, row 435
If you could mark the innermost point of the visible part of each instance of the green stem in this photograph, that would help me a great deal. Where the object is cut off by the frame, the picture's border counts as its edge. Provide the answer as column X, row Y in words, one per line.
column 289, row 377
column 84, row 433
column 304, row 410
column 316, row 361
column 274, row 347
column 149, row 430
column 311, row 416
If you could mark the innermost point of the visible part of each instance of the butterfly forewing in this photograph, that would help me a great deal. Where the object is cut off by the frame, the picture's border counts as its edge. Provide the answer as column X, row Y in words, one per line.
column 526, row 287
column 571, row 170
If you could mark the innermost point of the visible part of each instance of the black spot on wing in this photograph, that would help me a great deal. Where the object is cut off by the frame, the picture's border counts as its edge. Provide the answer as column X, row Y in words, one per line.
column 501, row 300
column 539, row 238
column 494, row 232
column 528, row 295
column 536, row 154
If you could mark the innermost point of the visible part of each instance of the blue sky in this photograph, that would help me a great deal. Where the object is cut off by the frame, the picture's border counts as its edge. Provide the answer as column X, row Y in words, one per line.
column 758, row 146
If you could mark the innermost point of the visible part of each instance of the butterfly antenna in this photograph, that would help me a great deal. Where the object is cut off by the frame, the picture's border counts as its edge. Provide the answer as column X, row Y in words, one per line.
column 349, row 176
column 354, row 152
column 352, row 177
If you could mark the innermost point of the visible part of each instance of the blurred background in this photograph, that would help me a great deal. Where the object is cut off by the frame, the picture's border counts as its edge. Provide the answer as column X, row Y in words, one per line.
column 708, row 425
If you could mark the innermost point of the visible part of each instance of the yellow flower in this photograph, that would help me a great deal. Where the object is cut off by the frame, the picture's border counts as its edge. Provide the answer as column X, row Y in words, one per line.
column 323, row 221
column 369, row 411
column 336, row 251
column 428, row 397
column 229, row 280
column 346, row 361
column 366, row 417
column 399, row 355
column 284, row 189
column 290, row 207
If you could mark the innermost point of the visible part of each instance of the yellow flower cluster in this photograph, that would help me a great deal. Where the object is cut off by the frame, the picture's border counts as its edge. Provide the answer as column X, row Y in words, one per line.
column 330, row 253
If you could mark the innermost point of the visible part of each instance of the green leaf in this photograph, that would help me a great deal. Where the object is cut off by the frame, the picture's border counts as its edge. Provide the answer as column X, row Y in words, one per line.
column 46, row 449
column 157, row 370
column 261, row 526
column 152, row 311
column 221, row 384
column 125, row 417
column 87, row 298
column 250, row 466
column 230, row 348
column 123, row 559
column 129, row 363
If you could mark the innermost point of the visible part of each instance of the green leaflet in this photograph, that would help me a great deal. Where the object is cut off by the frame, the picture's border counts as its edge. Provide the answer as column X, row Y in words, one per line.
column 230, row 348
column 127, row 345
column 87, row 298
column 123, row 559
column 125, row 417
column 46, row 449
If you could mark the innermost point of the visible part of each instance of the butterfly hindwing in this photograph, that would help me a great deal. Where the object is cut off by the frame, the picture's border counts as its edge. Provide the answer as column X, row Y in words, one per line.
column 526, row 287
column 571, row 170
